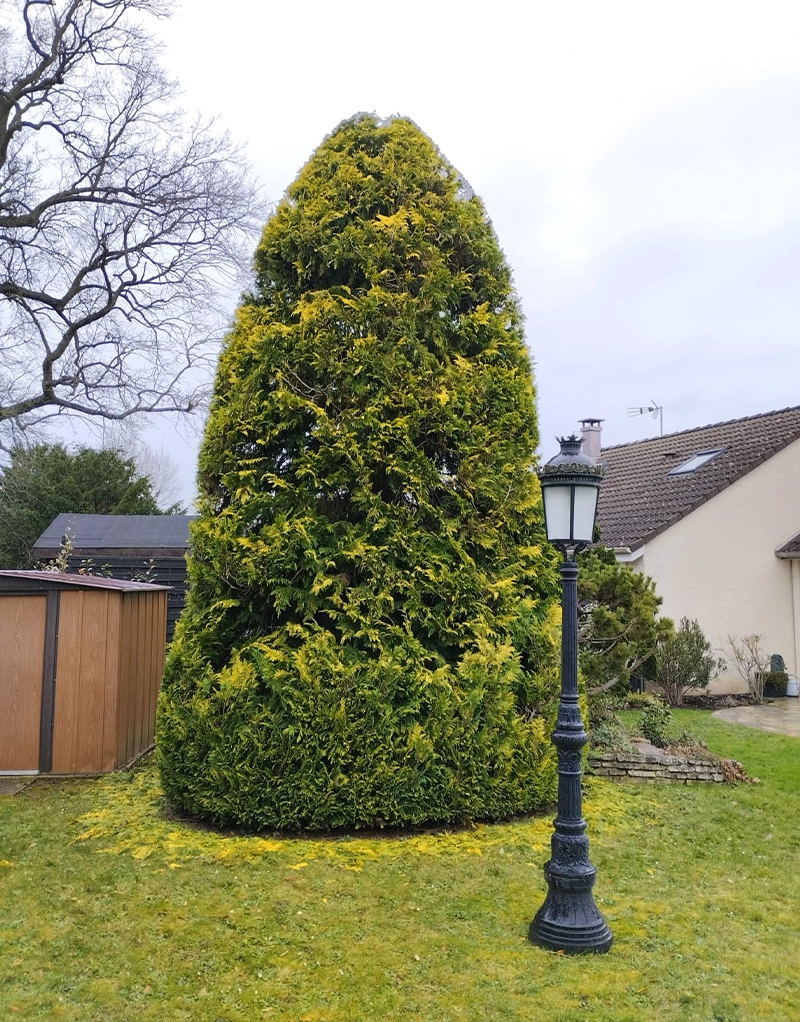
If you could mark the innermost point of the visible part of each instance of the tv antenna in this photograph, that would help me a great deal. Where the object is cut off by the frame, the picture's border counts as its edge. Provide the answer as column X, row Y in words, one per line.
column 656, row 410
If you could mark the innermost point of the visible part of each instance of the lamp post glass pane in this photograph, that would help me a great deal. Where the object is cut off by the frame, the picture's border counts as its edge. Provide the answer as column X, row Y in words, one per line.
column 585, row 508
column 557, row 512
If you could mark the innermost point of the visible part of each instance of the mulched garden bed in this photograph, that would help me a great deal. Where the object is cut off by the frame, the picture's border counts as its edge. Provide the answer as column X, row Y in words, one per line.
column 717, row 702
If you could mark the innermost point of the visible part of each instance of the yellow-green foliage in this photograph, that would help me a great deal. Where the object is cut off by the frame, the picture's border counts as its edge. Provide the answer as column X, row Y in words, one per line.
column 368, row 637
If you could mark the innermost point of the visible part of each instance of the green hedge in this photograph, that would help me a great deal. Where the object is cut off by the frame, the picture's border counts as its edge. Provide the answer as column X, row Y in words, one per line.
column 371, row 629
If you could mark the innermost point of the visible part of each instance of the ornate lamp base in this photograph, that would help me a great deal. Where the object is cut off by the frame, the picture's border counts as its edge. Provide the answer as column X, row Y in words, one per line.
column 569, row 920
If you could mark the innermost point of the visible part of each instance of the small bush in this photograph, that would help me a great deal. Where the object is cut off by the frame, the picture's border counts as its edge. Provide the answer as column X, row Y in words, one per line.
column 774, row 683
column 602, row 709
column 685, row 661
column 655, row 725
column 611, row 734
column 641, row 700
column 658, row 726
column 687, row 739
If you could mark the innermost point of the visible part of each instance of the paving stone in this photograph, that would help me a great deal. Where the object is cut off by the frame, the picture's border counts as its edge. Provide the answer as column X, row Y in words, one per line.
column 10, row 785
column 780, row 716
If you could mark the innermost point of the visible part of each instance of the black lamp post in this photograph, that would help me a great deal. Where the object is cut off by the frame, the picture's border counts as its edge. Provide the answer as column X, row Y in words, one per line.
column 569, row 920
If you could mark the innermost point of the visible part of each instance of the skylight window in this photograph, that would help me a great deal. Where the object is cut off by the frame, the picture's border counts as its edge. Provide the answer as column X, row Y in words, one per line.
column 695, row 462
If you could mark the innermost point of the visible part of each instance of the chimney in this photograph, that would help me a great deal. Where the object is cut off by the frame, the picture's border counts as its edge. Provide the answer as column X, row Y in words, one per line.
column 590, row 431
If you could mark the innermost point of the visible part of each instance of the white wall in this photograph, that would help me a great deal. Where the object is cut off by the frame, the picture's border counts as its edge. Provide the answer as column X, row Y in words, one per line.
column 718, row 564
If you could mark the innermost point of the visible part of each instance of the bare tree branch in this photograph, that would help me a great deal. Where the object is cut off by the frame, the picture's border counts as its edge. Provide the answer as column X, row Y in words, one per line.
column 120, row 221
column 747, row 657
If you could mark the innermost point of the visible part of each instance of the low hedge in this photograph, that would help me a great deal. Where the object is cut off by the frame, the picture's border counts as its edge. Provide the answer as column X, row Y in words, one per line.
column 775, row 682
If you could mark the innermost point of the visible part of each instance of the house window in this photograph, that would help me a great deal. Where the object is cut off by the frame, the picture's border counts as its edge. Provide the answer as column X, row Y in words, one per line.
column 695, row 462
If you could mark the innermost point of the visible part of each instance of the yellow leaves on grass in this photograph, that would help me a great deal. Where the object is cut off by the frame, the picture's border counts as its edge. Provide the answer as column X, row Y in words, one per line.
column 261, row 845
column 610, row 807
column 130, row 820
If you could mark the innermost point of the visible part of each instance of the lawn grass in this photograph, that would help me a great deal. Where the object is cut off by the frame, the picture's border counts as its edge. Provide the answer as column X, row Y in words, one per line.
column 110, row 910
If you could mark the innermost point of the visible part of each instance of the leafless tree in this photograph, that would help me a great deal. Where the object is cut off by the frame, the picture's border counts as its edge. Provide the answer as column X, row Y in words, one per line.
column 748, row 658
column 120, row 219
column 156, row 463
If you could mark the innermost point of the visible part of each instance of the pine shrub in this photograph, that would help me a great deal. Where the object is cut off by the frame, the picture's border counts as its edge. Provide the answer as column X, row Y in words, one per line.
column 370, row 632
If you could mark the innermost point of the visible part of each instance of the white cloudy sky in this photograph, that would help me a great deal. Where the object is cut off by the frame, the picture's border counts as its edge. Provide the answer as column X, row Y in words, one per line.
column 640, row 162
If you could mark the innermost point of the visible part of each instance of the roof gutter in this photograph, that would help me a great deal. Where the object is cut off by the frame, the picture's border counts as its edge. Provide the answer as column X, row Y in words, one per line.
column 626, row 555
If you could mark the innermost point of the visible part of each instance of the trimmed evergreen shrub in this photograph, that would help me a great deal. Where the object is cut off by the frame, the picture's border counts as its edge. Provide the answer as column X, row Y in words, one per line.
column 775, row 683
column 370, row 632
column 655, row 725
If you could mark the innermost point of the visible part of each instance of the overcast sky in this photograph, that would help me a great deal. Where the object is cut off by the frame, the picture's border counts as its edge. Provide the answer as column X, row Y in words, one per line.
column 640, row 162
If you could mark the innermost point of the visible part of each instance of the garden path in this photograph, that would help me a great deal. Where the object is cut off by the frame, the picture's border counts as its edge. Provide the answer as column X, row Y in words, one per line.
column 781, row 716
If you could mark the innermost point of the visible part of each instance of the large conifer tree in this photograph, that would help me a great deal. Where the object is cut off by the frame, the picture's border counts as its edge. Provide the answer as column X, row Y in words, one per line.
column 368, row 636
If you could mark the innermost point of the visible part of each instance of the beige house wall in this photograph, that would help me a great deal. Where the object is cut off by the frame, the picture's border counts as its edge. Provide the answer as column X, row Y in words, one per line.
column 718, row 564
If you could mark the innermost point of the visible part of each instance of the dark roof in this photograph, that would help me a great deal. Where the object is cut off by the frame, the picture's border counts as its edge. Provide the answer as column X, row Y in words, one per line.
column 43, row 580
column 640, row 499
column 168, row 534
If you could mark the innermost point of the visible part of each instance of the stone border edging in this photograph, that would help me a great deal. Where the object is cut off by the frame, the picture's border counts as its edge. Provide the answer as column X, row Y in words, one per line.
column 653, row 766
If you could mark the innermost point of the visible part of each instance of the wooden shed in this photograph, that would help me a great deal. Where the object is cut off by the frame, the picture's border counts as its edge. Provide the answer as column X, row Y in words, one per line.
column 144, row 548
column 81, row 660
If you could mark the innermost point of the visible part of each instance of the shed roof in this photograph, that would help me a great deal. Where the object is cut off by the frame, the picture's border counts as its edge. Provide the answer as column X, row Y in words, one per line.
column 140, row 533
column 640, row 499
column 41, row 581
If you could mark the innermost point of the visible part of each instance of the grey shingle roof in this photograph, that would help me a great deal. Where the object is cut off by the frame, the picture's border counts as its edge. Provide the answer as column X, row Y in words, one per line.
column 639, row 499
column 140, row 533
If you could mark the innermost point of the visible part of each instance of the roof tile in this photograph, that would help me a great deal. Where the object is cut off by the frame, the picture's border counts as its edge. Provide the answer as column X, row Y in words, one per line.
column 640, row 499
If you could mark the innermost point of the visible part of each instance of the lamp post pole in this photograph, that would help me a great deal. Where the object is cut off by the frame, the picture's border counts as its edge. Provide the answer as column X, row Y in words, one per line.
column 569, row 919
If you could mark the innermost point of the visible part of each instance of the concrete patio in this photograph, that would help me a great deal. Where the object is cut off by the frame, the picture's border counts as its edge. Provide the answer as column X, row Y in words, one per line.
column 780, row 716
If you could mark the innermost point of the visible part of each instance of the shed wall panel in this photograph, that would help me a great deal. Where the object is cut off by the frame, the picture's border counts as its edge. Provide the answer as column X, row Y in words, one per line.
column 22, row 623
column 158, row 656
column 68, row 675
column 147, row 674
column 113, row 669
column 143, row 609
column 135, row 625
column 92, row 688
column 141, row 676
column 131, row 723
column 126, row 670
column 122, row 709
column 81, row 682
